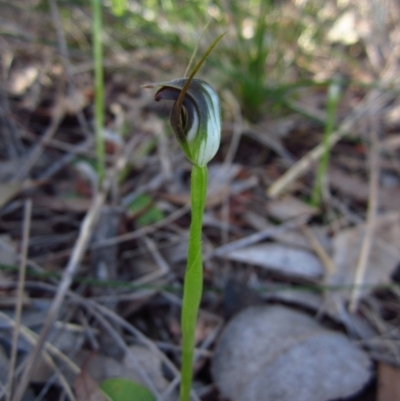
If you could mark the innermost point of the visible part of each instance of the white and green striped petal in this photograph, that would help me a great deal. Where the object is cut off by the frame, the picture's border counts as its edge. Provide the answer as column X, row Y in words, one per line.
column 196, row 122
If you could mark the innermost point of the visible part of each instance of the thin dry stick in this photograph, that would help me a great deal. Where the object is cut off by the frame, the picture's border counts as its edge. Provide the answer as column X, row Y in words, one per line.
column 92, row 306
column 119, row 341
column 230, row 154
column 69, row 273
column 318, row 249
column 375, row 100
column 31, row 338
column 66, row 159
column 163, row 267
column 298, row 169
column 57, row 115
column 63, row 49
column 20, row 295
column 371, row 217
column 142, row 231
column 386, row 332
column 88, row 304
column 305, row 163
column 257, row 237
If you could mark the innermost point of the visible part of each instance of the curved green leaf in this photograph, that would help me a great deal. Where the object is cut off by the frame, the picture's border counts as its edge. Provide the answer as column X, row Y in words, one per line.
column 121, row 389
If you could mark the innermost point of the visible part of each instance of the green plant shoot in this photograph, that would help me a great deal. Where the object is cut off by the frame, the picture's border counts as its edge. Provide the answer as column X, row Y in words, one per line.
column 196, row 122
column 99, row 88
column 332, row 103
column 119, row 7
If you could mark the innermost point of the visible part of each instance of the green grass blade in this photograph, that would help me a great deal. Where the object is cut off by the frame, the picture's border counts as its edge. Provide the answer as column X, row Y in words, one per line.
column 99, row 88
column 333, row 100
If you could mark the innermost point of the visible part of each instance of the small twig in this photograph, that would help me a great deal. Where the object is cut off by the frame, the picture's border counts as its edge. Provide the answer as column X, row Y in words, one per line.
column 20, row 295
column 159, row 259
column 298, row 169
column 57, row 116
column 149, row 186
column 119, row 341
column 318, row 249
column 373, row 103
column 257, row 237
column 144, row 230
column 65, row 160
column 305, row 163
column 131, row 329
column 371, row 217
column 65, row 59
column 31, row 338
column 230, row 154
column 11, row 138
column 90, row 306
column 69, row 273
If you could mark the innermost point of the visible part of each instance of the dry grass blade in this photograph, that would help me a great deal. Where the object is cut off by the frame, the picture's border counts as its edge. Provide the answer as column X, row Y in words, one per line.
column 20, row 295
column 375, row 101
column 306, row 162
column 73, row 264
column 233, row 147
column 119, row 341
column 160, row 261
column 143, row 231
column 63, row 48
column 318, row 249
column 257, row 237
column 31, row 338
column 100, row 310
column 57, row 116
column 104, row 316
column 371, row 216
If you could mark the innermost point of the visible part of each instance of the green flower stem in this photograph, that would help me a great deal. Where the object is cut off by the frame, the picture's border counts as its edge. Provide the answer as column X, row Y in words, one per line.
column 99, row 88
column 193, row 285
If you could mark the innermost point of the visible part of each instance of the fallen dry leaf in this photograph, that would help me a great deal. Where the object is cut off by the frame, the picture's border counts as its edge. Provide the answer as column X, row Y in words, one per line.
column 289, row 207
column 281, row 259
column 358, row 189
column 384, row 257
column 87, row 389
column 388, row 382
